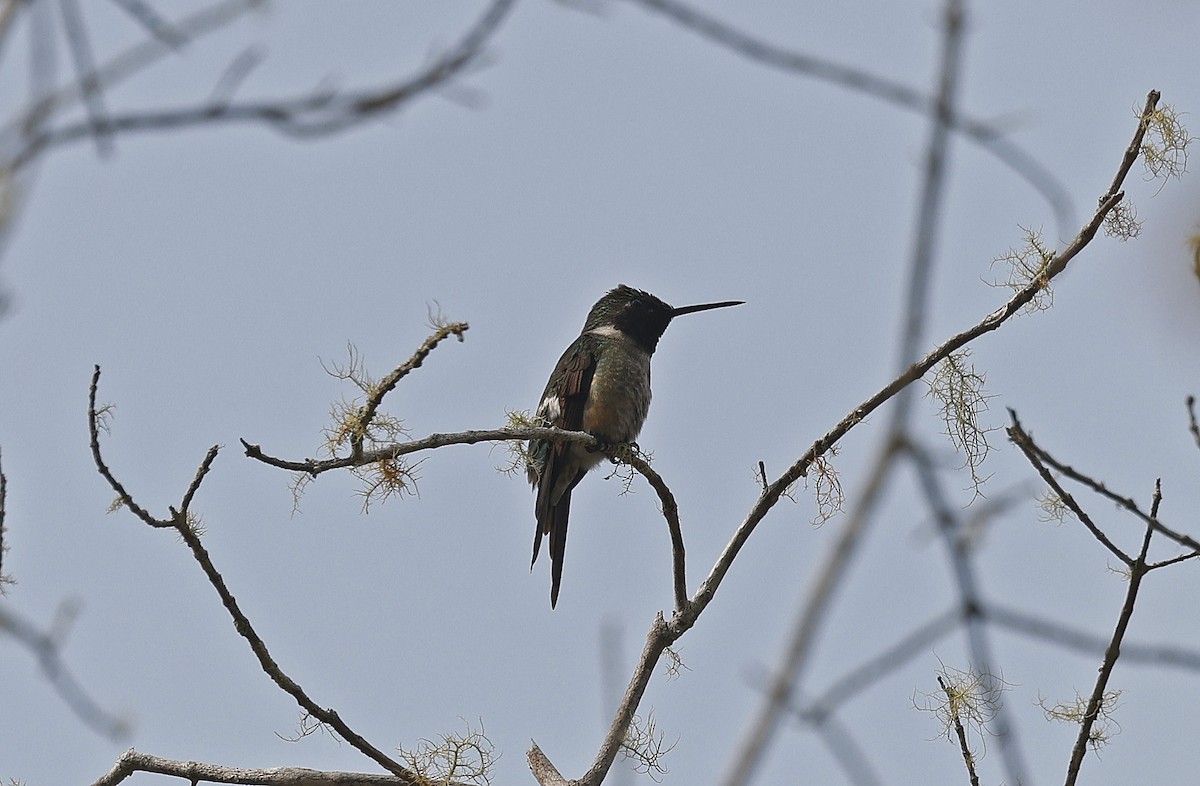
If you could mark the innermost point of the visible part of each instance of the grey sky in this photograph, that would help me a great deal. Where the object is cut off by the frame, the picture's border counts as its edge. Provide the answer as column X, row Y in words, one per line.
column 209, row 271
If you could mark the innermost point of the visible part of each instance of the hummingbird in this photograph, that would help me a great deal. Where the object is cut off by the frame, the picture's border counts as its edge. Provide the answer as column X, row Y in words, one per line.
column 601, row 385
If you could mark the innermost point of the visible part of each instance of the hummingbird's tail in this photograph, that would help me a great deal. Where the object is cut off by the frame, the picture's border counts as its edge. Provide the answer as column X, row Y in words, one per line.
column 553, row 523
column 558, row 544
column 552, row 517
column 543, row 510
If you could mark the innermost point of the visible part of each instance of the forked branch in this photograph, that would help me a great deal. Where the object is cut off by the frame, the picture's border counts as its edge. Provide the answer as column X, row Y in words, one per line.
column 182, row 522
column 313, row 114
column 771, row 494
column 663, row 635
column 1044, row 462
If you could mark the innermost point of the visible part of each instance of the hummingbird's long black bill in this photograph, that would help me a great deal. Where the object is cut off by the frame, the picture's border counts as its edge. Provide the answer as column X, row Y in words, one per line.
column 704, row 307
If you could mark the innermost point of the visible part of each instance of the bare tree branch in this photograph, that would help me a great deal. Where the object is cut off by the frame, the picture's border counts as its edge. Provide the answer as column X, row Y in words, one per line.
column 544, row 771
column 771, row 495
column 1137, row 566
column 129, row 62
column 931, row 198
column 808, row 621
column 670, row 512
column 1193, row 426
column 896, row 93
column 388, row 383
column 3, row 548
column 432, row 442
column 875, row 668
column 234, row 74
column 1023, row 441
column 762, row 728
column 147, row 17
column 95, row 423
column 1137, row 571
column 964, row 748
column 660, row 637
column 1063, row 635
column 1043, row 461
column 85, row 70
column 838, row 740
column 846, row 751
column 301, row 116
column 8, row 13
column 47, row 648
column 182, row 523
column 134, row 761
column 972, row 604
column 663, row 634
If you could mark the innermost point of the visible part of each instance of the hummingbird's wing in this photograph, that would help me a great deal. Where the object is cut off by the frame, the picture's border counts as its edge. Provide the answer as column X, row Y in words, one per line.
column 560, row 471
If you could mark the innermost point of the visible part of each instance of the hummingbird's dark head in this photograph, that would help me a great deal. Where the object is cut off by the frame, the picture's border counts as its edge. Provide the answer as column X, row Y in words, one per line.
column 639, row 315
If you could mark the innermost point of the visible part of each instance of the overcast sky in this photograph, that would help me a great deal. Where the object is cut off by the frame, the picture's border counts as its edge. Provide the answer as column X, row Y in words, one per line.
column 210, row 272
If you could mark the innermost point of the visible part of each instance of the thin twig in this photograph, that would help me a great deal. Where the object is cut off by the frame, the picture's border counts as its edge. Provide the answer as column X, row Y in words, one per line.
column 1125, row 502
column 968, row 757
column 316, row 467
column 46, row 648
column 303, row 116
column 660, row 636
column 1193, row 426
column 670, row 511
column 181, row 523
column 388, row 383
column 1061, row 634
column 750, row 753
column 1035, row 455
column 845, row 750
column 931, row 197
column 272, row 669
column 972, row 604
column 1181, row 558
column 94, row 420
column 131, row 61
column 859, row 80
column 134, row 761
column 663, row 634
column 194, row 486
column 147, row 17
column 3, row 496
column 885, row 662
column 772, row 494
column 820, row 592
column 85, row 70
column 7, row 14
column 1137, row 571
column 235, row 74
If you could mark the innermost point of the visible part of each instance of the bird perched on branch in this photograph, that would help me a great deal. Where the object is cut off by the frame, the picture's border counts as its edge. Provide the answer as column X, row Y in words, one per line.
column 601, row 385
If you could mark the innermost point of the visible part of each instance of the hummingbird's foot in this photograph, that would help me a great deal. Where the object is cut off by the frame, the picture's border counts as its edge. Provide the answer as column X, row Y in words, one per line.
column 601, row 446
column 618, row 451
